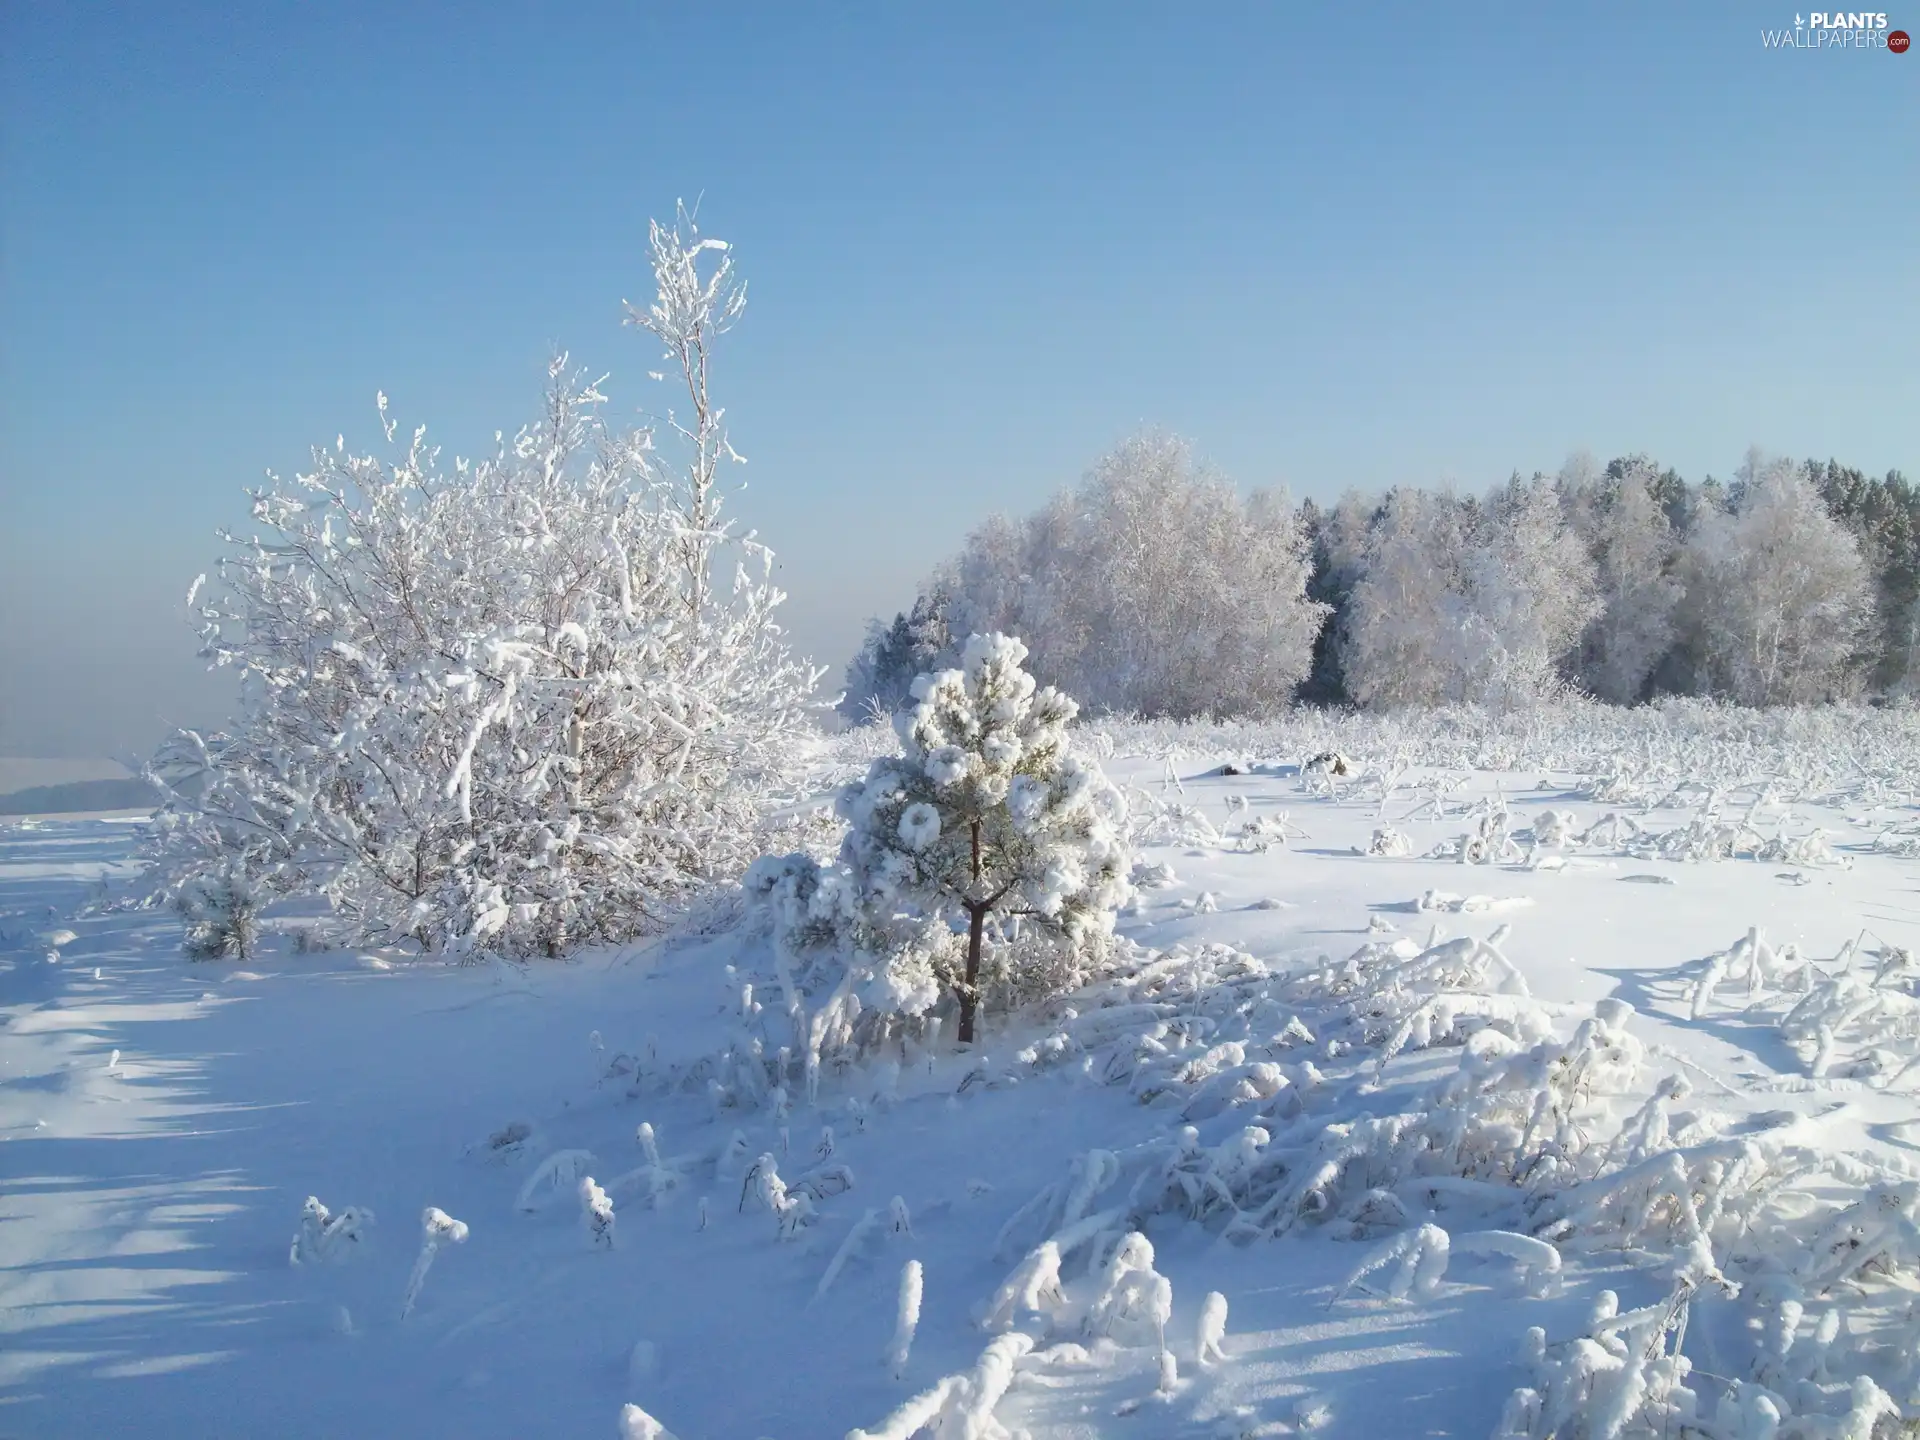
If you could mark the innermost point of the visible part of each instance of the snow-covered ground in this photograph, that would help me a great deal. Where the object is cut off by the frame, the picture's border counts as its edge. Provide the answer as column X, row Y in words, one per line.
column 162, row 1123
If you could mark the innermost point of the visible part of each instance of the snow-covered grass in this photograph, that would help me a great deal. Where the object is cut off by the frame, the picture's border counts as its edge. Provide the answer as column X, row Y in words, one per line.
column 1604, row 1114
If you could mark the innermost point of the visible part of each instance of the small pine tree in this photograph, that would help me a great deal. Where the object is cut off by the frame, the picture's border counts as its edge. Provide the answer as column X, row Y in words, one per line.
column 987, row 814
column 222, row 914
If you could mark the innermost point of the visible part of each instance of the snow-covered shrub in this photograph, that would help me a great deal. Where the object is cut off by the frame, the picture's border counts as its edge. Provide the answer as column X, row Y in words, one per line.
column 792, row 1207
column 560, row 1171
column 1876, row 1234
column 511, row 705
column 1619, row 1379
column 596, row 1214
column 1489, row 842
column 1555, row 830
column 1209, row 1345
column 987, row 816
column 654, row 1177
column 221, row 911
column 906, row 1319
column 1389, row 843
column 1809, row 849
column 1538, row 1262
column 1863, row 999
column 637, row 1424
column 1134, row 1302
column 1418, row 1259
column 325, row 1235
column 437, row 1228
column 958, row 1407
column 1258, row 834
column 1032, row 1289
column 869, row 960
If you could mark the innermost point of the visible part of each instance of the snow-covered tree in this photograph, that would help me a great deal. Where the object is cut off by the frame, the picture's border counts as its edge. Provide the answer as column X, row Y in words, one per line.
column 1532, row 591
column 1884, row 516
column 987, row 816
column 1627, row 530
column 880, row 678
column 1337, row 541
column 1408, row 611
column 1779, row 602
column 1152, row 587
column 510, row 704
column 1463, row 601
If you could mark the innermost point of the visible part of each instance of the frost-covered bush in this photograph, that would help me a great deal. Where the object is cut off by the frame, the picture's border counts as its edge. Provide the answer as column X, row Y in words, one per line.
column 988, row 816
column 596, row 1214
column 511, row 705
column 1210, row 1335
column 637, row 1424
column 437, row 1228
column 1853, row 1017
column 327, row 1236
column 826, row 935
column 906, row 1318
column 221, row 912
column 1539, row 1139
column 959, row 1407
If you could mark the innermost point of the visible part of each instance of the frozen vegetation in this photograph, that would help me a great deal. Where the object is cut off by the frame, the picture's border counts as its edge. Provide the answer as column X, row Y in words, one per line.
column 1152, row 588
column 1478, row 1134
column 1482, row 1061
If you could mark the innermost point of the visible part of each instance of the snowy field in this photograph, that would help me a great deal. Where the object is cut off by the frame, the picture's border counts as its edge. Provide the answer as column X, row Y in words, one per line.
column 1404, row 1048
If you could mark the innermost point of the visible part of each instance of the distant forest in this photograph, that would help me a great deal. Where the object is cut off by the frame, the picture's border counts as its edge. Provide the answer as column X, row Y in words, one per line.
column 1155, row 588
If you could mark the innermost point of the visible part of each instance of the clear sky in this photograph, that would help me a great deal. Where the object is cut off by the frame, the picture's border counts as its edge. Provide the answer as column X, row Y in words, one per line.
column 1336, row 245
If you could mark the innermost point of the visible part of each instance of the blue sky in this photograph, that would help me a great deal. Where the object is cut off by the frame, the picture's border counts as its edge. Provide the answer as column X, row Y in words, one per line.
column 1335, row 245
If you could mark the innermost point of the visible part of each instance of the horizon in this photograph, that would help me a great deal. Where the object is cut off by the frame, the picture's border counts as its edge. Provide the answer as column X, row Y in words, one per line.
column 979, row 253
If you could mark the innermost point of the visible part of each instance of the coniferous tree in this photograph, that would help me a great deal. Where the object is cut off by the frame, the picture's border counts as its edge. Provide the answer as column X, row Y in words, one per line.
column 1884, row 517
column 988, row 815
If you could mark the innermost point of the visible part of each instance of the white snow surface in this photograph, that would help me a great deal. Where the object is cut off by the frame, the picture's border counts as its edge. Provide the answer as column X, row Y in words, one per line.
column 147, row 1206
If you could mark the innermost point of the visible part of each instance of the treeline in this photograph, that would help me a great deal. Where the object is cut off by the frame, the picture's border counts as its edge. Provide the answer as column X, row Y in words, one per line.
column 1154, row 588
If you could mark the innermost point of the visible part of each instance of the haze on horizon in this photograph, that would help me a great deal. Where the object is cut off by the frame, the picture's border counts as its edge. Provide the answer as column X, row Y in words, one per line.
column 1337, row 248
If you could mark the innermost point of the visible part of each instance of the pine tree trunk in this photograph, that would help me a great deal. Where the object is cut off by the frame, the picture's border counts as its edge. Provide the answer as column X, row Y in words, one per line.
column 976, row 934
column 969, row 995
